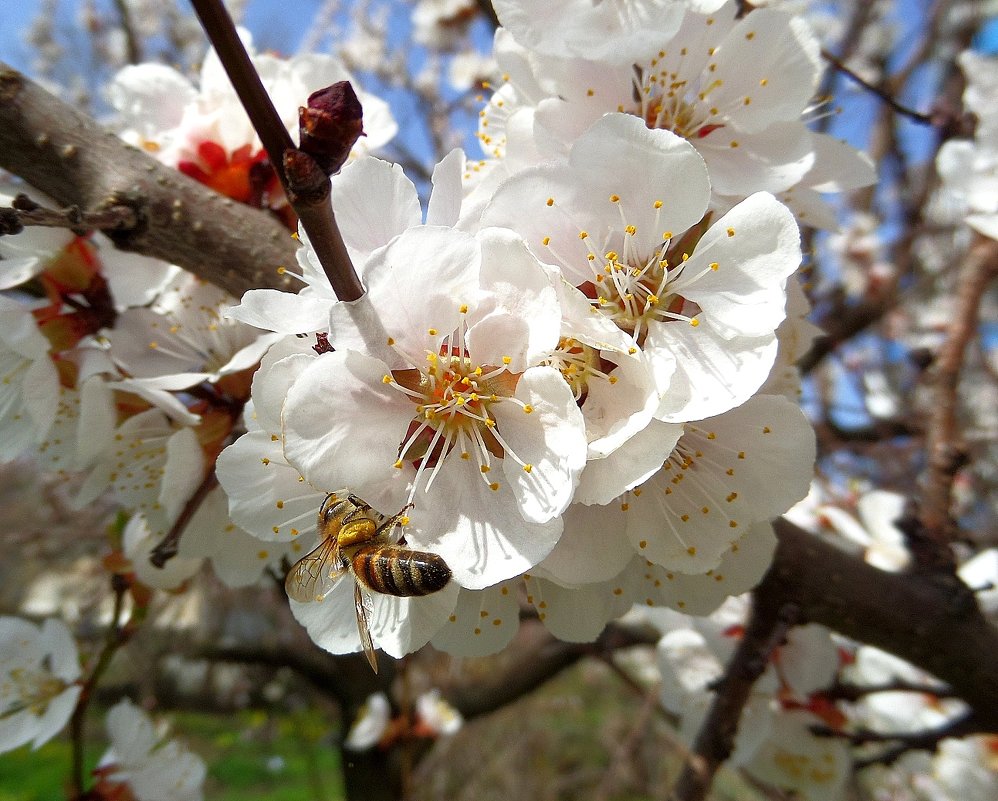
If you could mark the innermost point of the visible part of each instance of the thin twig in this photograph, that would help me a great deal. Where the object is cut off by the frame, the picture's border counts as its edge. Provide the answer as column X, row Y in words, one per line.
column 308, row 189
column 766, row 629
column 169, row 546
column 24, row 213
column 915, row 116
column 113, row 640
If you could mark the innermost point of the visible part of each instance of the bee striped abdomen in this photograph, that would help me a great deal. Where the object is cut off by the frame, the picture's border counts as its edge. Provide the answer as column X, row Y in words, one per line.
column 401, row 572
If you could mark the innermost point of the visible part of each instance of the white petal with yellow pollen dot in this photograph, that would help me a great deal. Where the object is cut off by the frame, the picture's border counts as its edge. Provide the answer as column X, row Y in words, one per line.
column 482, row 622
column 238, row 558
column 38, row 668
column 740, row 569
column 793, row 758
column 742, row 467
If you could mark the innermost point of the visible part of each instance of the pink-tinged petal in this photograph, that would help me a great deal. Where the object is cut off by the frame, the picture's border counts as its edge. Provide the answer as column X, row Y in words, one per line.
column 478, row 531
column 711, row 374
column 374, row 203
column 482, row 622
column 549, row 443
column 343, row 425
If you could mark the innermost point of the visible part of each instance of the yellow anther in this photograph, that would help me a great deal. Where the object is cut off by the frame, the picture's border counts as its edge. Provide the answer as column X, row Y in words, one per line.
column 280, row 504
column 545, row 240
column 630, row 229
column 714, row 265
column 527, row 468
column 386, row 379
column 614, row 198
column 494, row 486
column 658, row 204
column 550, row 201
column 583, row 234
column 432, row 332
column 527, row 408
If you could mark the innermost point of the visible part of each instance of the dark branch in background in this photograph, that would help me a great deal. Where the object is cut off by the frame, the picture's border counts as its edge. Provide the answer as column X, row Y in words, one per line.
column 915, row 116
column 930, row 540
column 934, row 625
column 64, row 153
column 24, row 212
column 131, row 37
column 766, row 630
column 305, row 184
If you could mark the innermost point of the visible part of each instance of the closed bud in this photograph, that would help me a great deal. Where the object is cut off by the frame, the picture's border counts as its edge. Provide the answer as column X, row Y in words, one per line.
column 330, row 125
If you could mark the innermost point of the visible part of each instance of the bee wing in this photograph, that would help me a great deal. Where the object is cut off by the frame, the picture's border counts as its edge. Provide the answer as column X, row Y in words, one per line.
column 315, row 574
column 364, row 606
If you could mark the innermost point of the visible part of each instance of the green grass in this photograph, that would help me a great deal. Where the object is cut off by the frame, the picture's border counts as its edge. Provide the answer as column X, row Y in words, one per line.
column 242, row 752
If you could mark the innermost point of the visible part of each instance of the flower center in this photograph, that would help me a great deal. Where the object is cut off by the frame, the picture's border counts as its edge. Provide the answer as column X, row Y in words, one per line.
column 578, row 365
column 454, row 402
column 633, row 289
column 672, row 103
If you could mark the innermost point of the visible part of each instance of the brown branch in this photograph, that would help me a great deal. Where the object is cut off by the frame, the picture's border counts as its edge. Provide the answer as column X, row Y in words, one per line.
column 540, row 659
column 934, row 624
column 946, row 452
column 305, row 184
column 766, row 630
column 915, row 116
column 65, row 154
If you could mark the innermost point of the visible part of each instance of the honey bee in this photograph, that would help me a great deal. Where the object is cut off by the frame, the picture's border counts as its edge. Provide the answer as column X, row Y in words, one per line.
column 357, row 540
